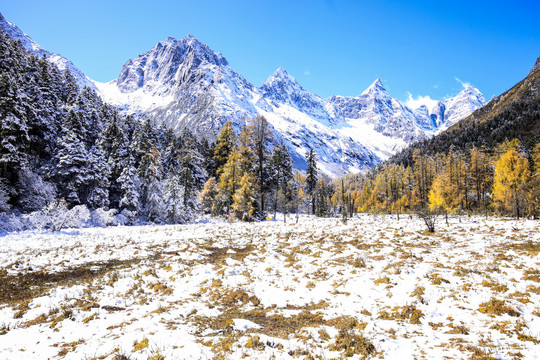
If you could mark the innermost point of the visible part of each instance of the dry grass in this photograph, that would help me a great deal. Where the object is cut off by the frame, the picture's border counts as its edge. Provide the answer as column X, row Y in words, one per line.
column 497, row 307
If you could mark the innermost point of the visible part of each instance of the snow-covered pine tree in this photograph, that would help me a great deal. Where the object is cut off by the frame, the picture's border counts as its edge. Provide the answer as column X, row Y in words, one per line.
column 173, row 193
column 311, row 178
column 192, row 173
column 97, row 185
column 14, row 136
column 128, row 182
column 71, row 168
column 151, row 181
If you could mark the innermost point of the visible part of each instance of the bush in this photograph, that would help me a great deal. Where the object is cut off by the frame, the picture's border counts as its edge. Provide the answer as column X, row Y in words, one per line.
column 102, row 217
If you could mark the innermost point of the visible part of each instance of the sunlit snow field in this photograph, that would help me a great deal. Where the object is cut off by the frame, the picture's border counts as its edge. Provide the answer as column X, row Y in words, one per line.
column 320, row 289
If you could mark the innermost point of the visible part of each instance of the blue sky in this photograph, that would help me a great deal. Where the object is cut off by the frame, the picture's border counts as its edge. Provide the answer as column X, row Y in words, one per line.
column 331, row 47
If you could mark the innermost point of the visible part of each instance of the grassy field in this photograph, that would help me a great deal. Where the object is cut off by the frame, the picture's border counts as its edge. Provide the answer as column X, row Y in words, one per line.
column 320, row 289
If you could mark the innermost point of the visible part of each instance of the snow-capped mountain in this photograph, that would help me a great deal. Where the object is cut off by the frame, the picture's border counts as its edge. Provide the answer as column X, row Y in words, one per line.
column 183, row 84
column 15, row 33
column 459, row 106
column 281, row 88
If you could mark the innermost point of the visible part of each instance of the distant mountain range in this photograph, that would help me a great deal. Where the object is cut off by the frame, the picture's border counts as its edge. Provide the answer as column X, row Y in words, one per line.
column 513, row 114
column 183, row 84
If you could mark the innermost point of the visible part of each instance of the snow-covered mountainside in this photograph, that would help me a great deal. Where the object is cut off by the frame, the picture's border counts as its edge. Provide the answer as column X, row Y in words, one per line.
column 183, row 84
column 14, row 32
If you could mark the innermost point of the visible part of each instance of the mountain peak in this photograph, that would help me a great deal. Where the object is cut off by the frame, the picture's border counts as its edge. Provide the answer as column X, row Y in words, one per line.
column 535, row 68
column 376, row 87
column 280, row 78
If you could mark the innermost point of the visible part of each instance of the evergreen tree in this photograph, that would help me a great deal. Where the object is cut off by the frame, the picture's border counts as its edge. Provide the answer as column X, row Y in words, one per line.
column 151, row 175
column 128, row 181
column 311, row 178
column 173, row 195
column 72, row 168
column 282, row 176
column 261, row 137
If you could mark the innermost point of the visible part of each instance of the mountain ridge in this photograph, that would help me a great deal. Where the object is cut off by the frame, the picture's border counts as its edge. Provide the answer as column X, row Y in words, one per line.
column 183, row 84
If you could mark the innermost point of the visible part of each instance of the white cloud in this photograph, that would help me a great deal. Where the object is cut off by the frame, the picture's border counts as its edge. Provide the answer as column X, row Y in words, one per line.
column 413, row 103
column 463, row 83
column 307, row 73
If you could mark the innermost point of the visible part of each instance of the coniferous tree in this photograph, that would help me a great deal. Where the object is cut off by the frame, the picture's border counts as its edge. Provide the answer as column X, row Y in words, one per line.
column 261, row 135
column 128, row 182
column 282, row 176
column 208, row 196
column 244, row 198
column 224, row 145
column 173, row 195
column 511, row 175
column 311, row 178
column 228, row 183
column 151, row 177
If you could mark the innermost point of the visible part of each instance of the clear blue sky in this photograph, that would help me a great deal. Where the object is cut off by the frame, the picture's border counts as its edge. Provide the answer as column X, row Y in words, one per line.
column 331, row 47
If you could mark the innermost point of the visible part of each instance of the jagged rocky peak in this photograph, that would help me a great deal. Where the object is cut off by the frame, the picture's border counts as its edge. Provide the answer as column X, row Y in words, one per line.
column 280, row 82
column 162, row 63
column 376, row 88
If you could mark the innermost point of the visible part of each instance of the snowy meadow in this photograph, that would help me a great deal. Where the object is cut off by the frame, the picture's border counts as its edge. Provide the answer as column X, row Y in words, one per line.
column 317, row 289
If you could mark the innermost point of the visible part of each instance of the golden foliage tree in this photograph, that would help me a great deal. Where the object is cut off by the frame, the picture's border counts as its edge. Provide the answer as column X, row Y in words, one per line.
column 244, row 198
column 511, row 176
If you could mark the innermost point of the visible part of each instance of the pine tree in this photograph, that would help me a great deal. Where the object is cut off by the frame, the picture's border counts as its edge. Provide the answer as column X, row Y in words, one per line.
column 311, row 178
column 97, row 184
column 151, row 174
column 282, row 176
column 173, row 195
column 128, row 182
column 72, row 168
column 261, row 137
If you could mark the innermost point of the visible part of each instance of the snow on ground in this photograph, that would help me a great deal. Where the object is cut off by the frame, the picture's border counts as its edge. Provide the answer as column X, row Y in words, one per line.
column 375, row 287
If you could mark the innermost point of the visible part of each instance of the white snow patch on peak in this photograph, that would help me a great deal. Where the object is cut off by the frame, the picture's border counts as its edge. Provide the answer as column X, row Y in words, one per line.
column 376, row 87
column 281, row 74
column 420, row 100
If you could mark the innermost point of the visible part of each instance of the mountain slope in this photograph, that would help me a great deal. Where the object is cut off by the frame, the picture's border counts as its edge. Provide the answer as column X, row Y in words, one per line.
column 183, row 84
column 514, row 114
column 15, row 33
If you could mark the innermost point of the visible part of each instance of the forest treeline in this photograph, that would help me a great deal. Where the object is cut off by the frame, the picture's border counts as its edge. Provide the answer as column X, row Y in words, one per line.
column 504, row 180
column 69, row 159
column 65, row 155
